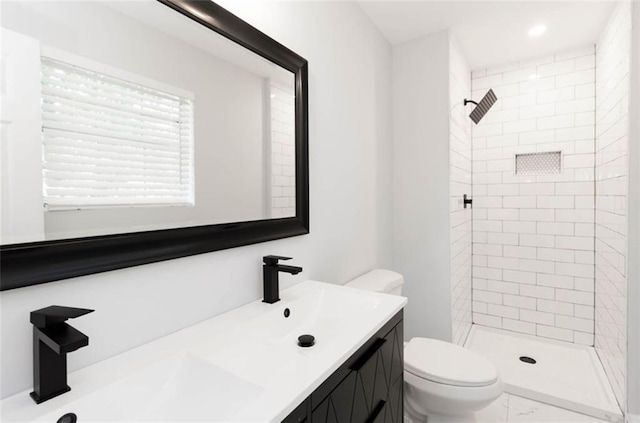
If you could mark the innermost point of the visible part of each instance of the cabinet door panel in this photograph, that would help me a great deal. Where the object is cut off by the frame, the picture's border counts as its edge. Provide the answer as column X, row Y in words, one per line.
column 320, row 412
column 380, row 384
column 395, row 402
column 367, row 375
column 397, row 358
column 360, row 410
column 342, row 398
column 386, row 356
column 378, row 415
column 338, row 406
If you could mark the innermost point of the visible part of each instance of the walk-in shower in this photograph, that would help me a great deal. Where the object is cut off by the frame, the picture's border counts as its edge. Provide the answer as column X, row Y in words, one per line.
column 549, row 175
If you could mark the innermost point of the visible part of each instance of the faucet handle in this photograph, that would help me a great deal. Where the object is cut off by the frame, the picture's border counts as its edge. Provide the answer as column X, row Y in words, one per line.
column 273, row 260
column 54, row 314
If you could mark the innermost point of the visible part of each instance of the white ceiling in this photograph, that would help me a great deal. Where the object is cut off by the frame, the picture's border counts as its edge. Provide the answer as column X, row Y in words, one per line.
column 494, row 32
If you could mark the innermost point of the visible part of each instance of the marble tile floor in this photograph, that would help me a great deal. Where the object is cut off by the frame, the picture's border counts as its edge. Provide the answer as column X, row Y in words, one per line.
column 513, row 409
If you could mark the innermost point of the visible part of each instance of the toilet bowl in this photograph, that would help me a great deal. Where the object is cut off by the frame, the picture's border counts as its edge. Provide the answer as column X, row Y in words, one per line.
column 443, row 381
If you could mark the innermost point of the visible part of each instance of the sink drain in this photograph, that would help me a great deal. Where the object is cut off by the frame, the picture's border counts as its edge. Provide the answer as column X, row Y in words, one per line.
column 68, row 418
column 527, row 360
column 306, row 341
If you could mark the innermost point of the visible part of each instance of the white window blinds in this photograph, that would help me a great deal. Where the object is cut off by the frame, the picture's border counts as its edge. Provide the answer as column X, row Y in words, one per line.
column 110, row 142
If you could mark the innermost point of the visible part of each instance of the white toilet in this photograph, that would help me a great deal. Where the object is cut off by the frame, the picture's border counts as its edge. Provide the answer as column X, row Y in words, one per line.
column 443, row 381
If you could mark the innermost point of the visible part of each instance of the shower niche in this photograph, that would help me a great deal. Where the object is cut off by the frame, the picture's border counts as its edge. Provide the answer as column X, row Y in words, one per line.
column 538, row 163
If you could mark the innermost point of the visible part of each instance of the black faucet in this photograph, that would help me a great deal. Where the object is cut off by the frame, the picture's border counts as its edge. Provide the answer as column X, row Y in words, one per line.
column 52, row 340
column 271, row 269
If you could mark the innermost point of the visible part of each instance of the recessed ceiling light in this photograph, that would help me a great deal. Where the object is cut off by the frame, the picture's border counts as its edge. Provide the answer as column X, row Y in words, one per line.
column 537, row 30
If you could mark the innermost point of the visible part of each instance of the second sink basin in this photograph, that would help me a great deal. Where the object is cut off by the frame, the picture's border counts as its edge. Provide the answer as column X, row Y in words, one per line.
column 176, row 389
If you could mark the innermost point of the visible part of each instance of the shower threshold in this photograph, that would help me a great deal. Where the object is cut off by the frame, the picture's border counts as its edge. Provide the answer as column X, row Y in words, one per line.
column 565, row 375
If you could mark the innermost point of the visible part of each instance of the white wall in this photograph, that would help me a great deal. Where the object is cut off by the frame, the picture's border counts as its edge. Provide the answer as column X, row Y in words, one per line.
column 633, row 275
column 611, row 174
column 421, row 220
column 460, row 184
column 350, row 170
column 533, row 234
column 21, row 218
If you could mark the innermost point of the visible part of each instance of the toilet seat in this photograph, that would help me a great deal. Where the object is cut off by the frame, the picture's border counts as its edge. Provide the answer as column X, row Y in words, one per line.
column 448, row 364
column 426, row 398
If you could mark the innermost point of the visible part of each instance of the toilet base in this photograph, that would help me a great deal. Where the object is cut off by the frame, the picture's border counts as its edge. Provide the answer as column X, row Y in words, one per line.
column 469, row 418
column 411, row 417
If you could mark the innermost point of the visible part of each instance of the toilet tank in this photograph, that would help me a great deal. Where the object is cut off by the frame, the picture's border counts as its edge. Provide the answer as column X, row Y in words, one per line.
column 379, row 280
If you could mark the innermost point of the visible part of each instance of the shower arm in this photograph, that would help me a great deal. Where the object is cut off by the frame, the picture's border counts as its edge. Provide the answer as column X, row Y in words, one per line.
column 469, row 101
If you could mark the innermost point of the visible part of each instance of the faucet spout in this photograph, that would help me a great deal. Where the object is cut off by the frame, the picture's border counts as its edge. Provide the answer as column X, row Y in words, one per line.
column 294, row 270
column 63, row 338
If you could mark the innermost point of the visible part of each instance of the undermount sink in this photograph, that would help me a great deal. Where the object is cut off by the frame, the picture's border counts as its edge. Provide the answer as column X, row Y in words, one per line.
column 244, row 365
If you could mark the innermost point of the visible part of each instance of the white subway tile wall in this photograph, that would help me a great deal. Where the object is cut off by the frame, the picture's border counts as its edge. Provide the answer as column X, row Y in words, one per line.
column 460, row 184
column 283, row 164
column 612, row 124
column 533, row 242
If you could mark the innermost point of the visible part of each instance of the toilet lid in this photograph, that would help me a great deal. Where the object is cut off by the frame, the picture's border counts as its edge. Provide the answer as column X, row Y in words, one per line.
column 378, row 280
column 446, row 363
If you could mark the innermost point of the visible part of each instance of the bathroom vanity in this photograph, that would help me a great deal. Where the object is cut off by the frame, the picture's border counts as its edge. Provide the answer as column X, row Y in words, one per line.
column 366, row 388
column 246, row 365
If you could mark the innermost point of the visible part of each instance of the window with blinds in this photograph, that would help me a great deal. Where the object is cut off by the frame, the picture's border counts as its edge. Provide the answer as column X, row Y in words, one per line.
column 110, row 142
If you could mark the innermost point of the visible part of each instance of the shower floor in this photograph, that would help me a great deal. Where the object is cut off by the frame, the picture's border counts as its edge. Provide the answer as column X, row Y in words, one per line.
column 565, row 375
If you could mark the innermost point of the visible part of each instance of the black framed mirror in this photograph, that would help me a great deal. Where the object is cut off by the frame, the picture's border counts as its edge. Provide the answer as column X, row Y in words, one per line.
column 65, row 252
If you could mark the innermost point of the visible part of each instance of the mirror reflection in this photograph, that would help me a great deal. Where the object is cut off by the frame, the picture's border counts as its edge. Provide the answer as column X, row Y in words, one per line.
column 127, row 116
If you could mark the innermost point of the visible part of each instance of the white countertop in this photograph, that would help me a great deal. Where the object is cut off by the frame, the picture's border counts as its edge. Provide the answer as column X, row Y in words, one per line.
column 241, row 366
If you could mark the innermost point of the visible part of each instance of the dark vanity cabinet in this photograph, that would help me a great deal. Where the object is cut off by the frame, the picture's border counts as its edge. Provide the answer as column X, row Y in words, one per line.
column 367, row 388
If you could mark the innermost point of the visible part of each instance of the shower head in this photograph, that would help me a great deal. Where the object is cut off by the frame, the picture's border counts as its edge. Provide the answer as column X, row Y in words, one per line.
column 483, row 107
